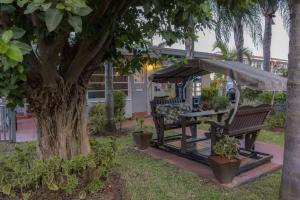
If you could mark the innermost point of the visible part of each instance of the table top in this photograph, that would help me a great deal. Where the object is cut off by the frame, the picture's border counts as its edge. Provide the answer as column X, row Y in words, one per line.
column 203, row 113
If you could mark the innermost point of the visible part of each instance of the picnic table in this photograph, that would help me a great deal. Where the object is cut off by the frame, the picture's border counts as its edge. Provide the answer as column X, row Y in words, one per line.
column 194, row 115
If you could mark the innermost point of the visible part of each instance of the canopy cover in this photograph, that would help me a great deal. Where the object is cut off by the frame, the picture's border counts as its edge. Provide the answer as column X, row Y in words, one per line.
column 244, row 74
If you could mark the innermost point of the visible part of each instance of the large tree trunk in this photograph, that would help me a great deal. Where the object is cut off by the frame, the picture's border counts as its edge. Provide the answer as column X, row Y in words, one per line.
column 290, row 183
column 238, row 38
column 61, row 124
column 189, row 47
column 110, row 125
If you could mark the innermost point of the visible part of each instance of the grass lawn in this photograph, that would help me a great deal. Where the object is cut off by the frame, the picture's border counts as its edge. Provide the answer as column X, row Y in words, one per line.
column 271, row 137
column 151, row 179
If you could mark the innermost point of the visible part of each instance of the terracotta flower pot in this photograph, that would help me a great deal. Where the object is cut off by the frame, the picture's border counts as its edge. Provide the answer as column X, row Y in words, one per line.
column 224, row 169
column 142, row 139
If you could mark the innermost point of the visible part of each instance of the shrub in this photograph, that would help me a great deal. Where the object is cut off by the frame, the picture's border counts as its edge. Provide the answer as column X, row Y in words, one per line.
column 119, row 106
column 220, row 102
column 119, row 101
column 207, row 94
column 227, row 147
column 22, row 174
column 97, row 118
column 266, row 97
column 276, row 120
column 249, row 94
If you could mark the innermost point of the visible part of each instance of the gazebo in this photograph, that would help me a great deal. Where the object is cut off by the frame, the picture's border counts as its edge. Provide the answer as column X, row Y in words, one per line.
column 243, row 121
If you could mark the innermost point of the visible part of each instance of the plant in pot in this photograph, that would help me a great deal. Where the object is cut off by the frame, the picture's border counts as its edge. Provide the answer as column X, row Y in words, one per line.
column 223, row 162
column 220, row 103
column 142, row 135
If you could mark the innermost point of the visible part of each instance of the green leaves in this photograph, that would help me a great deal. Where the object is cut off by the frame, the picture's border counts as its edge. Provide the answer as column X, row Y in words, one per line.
column 14, row 53
column 6, row 189
column 24, row 48
column 21, row 3
column 76, row 23
column 6, row 1
column 83, row 11
column 17, row 32
column 7, row 36
column 52, row 18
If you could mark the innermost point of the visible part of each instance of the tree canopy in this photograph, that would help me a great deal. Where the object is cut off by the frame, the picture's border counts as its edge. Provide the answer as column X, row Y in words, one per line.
column 71, row 38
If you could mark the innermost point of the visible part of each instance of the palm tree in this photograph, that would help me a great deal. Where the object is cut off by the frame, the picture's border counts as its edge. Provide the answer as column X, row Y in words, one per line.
column 231, row 54
column 290, row 183
column 268, row 9
column 236, row 20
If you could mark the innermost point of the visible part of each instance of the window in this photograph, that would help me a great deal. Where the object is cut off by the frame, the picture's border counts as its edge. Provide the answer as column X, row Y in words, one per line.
column 196, row 88
column 96, row 86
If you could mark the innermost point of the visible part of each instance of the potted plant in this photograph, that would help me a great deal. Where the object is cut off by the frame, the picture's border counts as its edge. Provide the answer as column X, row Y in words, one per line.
column 142, row 135
column 224, row 163
column 220, row 103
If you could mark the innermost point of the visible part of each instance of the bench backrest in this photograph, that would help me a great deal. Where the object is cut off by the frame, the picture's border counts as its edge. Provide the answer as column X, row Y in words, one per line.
column 158, row 101
column 248, row 119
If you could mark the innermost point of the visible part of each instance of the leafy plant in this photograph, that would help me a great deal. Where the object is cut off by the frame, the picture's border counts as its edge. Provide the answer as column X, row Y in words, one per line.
column 266, row 97
column 208, row 93
column 119, row 106
column 22, row 173
column 227, row 147
column 97, row 118
column 220, row 102
column 249, row 94
column 12, row 71
column 140, row 127
column 276, row 120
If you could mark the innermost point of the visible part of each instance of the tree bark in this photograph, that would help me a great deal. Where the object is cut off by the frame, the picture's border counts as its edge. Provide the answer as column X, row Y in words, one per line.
column 189, row 47
column 61, row 124
column 110, row 125
column 290, row 183
column 268, row 11
column 238, row 38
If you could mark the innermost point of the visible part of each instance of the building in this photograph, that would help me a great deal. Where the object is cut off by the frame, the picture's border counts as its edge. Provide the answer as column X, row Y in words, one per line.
column 140, row 91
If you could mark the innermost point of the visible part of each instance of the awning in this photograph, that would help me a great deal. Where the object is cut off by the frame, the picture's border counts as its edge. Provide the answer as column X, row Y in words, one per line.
column 244, row 74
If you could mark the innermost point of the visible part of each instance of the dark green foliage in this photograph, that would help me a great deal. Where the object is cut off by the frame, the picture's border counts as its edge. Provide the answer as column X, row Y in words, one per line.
column 250, row 94
column 208, row 93
column 266, row 97
column 97, row 118
column 140, row 126
column 119, row 106
column 227, row 147
column 119, row 102
column 276, row 120
column 22, row 173
column 220, row 102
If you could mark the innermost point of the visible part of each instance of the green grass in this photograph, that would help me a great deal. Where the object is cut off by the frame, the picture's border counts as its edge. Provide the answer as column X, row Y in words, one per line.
column 271, row 137
column 147, row 178
column 151, row 179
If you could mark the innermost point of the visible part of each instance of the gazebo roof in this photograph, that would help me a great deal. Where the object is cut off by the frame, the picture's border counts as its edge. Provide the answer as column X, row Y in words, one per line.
column 242, row 73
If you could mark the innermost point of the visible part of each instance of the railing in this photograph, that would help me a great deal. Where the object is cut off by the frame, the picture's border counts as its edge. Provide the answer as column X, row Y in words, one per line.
column 7, row 122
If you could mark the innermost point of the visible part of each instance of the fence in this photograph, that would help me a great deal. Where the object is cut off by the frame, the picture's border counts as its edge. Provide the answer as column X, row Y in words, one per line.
column 7, row 123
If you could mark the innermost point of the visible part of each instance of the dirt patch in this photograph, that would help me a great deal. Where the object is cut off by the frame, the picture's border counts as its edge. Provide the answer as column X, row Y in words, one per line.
column 114, row 190
column 118, row 133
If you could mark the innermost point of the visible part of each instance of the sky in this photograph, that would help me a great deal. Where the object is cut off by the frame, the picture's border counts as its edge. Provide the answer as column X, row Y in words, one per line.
column 279, row 45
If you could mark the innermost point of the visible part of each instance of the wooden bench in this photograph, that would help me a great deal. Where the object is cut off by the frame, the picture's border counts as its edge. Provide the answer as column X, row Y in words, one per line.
column 158, row 119
column 246, row 122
